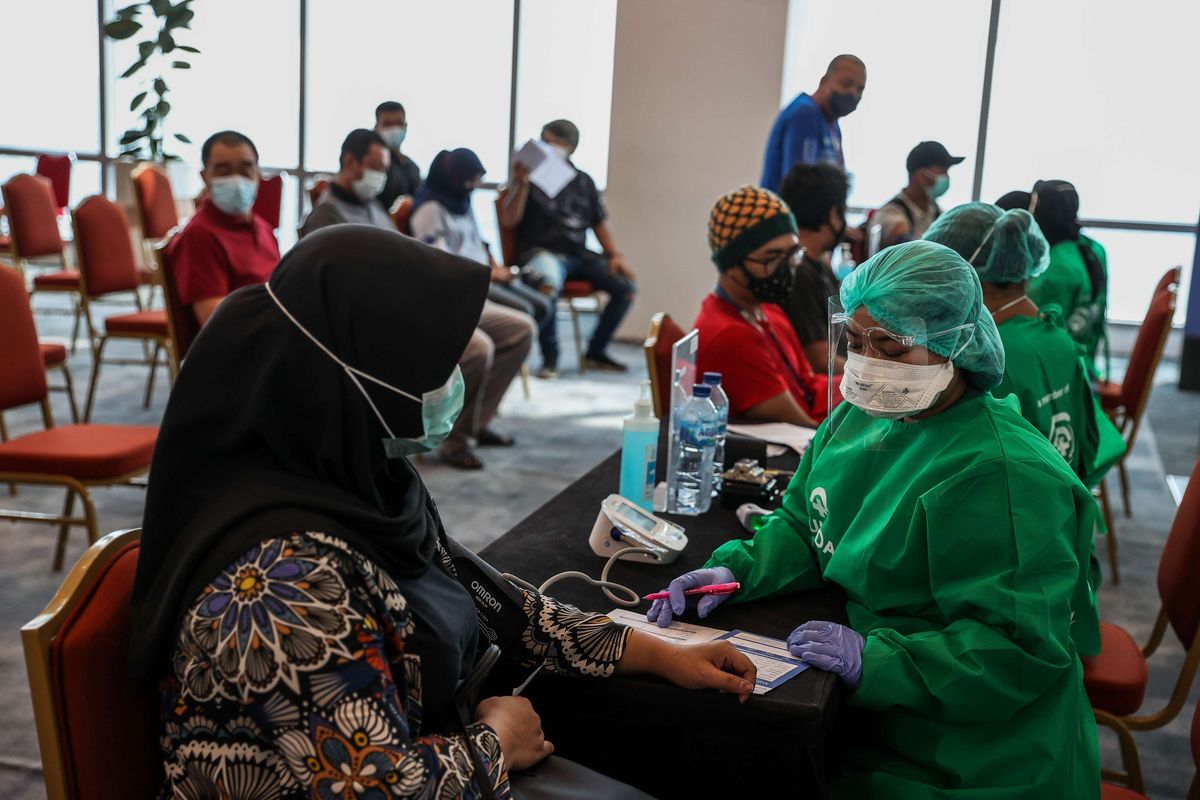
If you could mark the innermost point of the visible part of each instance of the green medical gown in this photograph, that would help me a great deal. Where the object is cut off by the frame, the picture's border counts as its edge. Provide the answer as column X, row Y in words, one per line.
column 1043, row 369
column 1066, row 284
column 959, row 541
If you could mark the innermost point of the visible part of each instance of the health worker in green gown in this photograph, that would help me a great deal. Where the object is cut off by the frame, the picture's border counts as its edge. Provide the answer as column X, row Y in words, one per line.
column 1042, row 366
column 961, row 539
column 1077, row 277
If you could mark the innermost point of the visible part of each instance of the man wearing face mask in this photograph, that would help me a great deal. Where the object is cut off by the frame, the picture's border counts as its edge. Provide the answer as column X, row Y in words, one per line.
column 816, row 194
column 353, row 195
column 224, row 246
column 909, row 214
column 744, row 334
column 403, row 175
column 807, row 130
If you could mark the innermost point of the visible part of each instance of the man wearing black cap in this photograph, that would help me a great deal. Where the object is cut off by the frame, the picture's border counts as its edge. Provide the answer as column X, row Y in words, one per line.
column 909, row 214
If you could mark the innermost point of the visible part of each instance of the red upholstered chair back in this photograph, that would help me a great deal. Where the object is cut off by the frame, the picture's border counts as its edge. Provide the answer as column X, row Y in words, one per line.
column 22, row 373
column 104, row 723
column 1169, row 277
column 32, row 216
column 269, row 200
column 315, row 191
column 58, row 170
column 103, row 247
column 180, row 318
column 508, row 236
column 402, row 215
column 1147, row 351
column 664, row 333
column 155, row 200
column 1177, row 584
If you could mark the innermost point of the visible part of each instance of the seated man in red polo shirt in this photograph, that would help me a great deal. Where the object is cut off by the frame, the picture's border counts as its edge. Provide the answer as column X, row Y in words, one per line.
column 744, row 334
column 224, row 246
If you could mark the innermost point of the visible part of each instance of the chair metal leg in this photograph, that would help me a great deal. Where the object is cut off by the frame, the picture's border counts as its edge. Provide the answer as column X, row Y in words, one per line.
column 64, row 531
column 1130, row 759
column 69, row 383
column 153, row 371
column 98, row 361
column 1124, row 485
column 578, row 337
column 525, row 382
column 75, row 326
column 12, row 487
column 1111, row 535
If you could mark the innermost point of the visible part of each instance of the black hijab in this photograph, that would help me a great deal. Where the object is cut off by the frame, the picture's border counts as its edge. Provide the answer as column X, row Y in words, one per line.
column 1057, row 211
column 447, row 180
column 264, row 434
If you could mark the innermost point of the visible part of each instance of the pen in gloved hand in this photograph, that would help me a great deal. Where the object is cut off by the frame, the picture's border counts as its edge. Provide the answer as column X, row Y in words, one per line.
column 715, row 588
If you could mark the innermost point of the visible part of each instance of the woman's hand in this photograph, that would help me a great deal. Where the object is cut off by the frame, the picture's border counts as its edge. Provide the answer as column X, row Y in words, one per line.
column 501, row 274
column 714, row 665
column 519, row 728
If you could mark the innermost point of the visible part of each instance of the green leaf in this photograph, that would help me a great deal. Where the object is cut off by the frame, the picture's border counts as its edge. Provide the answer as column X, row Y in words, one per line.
column 166, row 41
column 181, row 65
column 137, row 101
column 180, row 17
column 183, row 138
column 122, row 28
column 187, row 49
column 161, row 7
column 136, row 66
column 145, row 50
column 163, row 108
column 130, row 10
column 131, row 136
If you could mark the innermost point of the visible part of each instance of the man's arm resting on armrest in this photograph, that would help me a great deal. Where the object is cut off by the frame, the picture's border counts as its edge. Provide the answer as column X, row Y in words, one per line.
column 781, row 408
column 204, row 308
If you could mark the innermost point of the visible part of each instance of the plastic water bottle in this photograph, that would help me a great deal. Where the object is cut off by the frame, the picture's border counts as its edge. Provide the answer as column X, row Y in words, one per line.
column 692, row 480
column 846, row 263
column 639, row 452
column 679, row 398
column 720, row 402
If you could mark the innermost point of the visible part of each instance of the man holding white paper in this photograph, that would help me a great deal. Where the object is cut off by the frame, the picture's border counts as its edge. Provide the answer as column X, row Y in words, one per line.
column 551, row 209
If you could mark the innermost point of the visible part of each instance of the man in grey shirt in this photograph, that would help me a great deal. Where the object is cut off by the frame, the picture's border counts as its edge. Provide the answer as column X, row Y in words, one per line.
column 353, row 194
column 500, row 343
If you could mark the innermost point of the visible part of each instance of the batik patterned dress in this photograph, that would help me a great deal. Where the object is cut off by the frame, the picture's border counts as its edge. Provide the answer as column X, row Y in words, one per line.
column 290, row 679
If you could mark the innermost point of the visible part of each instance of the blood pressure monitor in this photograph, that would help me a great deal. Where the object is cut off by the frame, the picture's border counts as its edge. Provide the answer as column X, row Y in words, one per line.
column 622, row 525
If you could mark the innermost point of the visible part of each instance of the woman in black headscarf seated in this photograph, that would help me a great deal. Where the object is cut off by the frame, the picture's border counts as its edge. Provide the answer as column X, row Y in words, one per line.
column 294, row 594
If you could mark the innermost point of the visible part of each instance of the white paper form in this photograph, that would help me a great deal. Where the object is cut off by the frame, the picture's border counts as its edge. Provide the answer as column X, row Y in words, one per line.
column 771, row 658
column 678, row 632
column 796, row 437
column 548, row 171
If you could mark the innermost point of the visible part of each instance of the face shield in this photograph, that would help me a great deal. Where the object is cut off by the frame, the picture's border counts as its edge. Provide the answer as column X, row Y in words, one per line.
column 893, row 372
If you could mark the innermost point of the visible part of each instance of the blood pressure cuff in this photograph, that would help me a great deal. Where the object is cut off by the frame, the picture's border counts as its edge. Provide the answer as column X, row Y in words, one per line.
column 498, row 604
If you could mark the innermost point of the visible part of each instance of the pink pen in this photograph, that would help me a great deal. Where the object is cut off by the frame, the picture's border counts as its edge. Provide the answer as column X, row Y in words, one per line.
column 716, row 588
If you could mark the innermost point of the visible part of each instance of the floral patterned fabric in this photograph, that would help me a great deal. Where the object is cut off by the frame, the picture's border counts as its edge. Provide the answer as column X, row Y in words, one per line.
column 290, row 679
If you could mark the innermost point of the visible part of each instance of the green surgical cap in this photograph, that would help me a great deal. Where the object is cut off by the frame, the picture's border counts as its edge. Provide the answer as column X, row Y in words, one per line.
column 1013, row 248
column 921, row 289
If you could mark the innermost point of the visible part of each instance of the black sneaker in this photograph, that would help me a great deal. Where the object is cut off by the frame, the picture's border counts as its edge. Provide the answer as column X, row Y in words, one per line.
column 602, row 363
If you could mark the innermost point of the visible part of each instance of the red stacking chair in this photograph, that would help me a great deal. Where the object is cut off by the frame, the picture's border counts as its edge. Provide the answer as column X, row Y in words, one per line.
column 57, row 169
column 75, row 457
column 1126, row 401
column 157, row 214
column 1112, row 791
column 575, row 299
column 91, row 716
column 1116, row 678
column 33, row 225
column 319, row 187
column 402, row 213
column 180, row 317
column 269, row 200
column 664, row 333
column 108, row 266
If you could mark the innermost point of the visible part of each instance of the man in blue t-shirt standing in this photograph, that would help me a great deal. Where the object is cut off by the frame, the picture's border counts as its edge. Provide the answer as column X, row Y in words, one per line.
column 807, row 131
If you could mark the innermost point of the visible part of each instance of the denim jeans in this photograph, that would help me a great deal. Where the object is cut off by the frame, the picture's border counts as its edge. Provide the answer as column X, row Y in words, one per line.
column 593, row 268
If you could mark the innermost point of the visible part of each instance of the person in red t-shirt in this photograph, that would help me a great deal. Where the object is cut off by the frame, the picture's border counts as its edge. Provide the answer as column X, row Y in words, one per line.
column 744, row 334
column 224, row 246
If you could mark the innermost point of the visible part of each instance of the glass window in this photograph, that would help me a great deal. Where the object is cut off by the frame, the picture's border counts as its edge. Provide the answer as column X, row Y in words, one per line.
column 245, row 78
column 565, row 70
column 1136, row 260
column 483, row 204
column 1097, row 94
column 448, row 62
column 51, row 95
column 922, row 83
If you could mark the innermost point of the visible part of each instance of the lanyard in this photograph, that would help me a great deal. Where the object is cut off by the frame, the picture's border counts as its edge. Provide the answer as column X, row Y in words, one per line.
column 760, row 325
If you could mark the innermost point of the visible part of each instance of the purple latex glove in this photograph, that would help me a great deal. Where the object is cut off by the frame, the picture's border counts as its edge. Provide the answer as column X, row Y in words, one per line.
column 662, row 611
column 831, row 647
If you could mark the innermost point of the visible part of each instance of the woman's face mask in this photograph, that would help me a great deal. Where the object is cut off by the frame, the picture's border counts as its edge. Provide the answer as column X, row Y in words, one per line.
column 440, row 407
column 893, row 389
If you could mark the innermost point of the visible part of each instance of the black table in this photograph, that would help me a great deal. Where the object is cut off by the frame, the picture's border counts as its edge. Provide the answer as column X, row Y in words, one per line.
column 669, row 741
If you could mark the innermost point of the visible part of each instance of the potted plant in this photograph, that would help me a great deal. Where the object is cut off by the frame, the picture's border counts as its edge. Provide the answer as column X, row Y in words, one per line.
column 159, row 22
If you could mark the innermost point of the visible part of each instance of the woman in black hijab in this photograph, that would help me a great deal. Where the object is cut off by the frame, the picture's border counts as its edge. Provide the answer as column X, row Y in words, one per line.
column 294, row 596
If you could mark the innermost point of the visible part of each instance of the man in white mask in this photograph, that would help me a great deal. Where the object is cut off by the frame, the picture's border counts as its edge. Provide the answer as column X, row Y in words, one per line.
column 404, row 176
column 224, row 246
column 353, row 195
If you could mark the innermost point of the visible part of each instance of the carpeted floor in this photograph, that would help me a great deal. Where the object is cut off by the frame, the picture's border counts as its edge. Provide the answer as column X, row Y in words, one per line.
column 562, row 431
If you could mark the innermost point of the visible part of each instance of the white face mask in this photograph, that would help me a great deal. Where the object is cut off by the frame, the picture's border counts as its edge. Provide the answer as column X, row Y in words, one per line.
column 892, row 389
column 562, row 151
column 370, row 184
